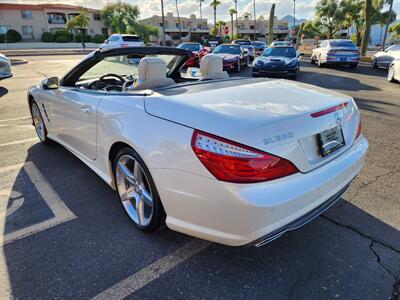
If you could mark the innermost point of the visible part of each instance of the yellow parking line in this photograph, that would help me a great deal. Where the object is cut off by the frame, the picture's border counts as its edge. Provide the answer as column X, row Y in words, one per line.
column 140, row 279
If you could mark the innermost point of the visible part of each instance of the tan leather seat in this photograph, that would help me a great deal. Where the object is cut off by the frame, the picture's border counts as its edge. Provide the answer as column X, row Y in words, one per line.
column 211, row 67
column 152, row 74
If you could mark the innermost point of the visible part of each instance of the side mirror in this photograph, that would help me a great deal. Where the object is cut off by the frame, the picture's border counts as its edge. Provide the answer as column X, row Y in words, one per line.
column 50, row 83
column 245, row 51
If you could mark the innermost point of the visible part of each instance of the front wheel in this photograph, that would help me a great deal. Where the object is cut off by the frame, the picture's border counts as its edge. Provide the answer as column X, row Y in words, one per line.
column 38, row 123
column 353, row 66
column 320, row 64
column 390, row 76
column 137, row 191
column 374, row 63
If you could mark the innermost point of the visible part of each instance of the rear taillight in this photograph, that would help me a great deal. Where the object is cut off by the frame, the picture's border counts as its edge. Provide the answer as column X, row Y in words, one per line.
column 329, row 110
column 124, row 45
column 359, row 129
column 233, row 162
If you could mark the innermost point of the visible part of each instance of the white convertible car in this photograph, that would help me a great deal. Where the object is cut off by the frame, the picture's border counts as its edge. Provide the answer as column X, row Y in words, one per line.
column 235, row 161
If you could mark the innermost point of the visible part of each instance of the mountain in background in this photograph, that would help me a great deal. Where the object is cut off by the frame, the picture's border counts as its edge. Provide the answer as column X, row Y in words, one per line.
column 289, row 19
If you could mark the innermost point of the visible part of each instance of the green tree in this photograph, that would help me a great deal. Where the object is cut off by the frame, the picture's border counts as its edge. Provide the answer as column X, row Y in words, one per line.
column 80, row 23
column 232, row 11
column 119, row 16
column 271, row 24
column 353, row 10
column 386, row 18
column 145, row 31
column 395, row 31
column 214, row 4
column 330, row 15
column 367, row 26
column 299, row 35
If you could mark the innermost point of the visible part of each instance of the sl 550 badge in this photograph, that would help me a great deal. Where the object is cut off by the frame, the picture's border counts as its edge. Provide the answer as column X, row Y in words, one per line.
column 278, row 138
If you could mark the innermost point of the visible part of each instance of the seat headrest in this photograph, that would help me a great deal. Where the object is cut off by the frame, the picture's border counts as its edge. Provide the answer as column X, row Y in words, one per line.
column 211, row 64
column 152, row 68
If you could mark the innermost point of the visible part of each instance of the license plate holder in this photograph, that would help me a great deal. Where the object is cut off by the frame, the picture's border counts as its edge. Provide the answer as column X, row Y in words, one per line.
column 330, row 140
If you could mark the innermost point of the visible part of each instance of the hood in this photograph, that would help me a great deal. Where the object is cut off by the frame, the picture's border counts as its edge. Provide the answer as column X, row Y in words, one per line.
column 262, row 113
column 275, row 59
column 227, row 56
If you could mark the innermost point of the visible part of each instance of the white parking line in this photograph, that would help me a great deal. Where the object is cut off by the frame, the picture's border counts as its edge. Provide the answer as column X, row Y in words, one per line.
column 60, row 210
column 15, row 119
column 19, row 142
column 140, row 279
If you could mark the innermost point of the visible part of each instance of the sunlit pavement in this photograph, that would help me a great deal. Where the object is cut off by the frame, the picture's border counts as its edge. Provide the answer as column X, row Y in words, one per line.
column 65, row 235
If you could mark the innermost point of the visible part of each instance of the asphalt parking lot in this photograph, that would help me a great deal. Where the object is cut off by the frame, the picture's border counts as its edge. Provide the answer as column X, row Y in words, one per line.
column 64, row 233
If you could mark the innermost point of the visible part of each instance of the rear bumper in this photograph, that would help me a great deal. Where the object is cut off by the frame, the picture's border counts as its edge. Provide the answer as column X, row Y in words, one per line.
column 242, row 214
column 337, row 60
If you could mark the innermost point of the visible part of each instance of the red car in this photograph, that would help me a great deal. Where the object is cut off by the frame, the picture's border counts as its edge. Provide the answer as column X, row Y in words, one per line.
column 198, row 50
column 234, row 56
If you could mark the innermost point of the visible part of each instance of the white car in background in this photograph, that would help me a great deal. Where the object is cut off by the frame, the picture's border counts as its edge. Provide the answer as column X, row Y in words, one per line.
column 122, row 41
column 5, row 67
column 383, row 59
column 232, row 160
column 394, row 71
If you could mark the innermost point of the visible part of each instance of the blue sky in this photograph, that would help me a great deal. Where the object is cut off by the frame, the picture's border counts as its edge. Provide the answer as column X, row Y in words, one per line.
column 304, row 8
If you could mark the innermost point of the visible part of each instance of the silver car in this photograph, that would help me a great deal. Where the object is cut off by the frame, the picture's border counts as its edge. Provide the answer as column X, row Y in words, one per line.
column 336, row 52
column 384, row 58
column 5, row 67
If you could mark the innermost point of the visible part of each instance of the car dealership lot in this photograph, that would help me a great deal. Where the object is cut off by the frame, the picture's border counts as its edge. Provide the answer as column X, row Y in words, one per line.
column 352, row 251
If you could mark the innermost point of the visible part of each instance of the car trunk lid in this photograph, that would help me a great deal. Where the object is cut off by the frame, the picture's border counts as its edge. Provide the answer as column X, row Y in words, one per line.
column 270, row 115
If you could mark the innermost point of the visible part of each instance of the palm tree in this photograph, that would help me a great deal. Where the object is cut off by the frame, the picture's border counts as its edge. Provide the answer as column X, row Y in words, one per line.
column 232, row 11
column 201, row 11
column 214, row 4
column 219, row 25
column 179, row 22
column 271, row 24
column 236, row 13
column 367, row 26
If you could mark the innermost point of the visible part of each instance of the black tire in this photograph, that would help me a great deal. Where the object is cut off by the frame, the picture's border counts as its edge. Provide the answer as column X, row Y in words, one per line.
column 390, row 76
column 354, row 65
column 237, row 68
column 43, row 135
column 158, row 214
column 312, row 60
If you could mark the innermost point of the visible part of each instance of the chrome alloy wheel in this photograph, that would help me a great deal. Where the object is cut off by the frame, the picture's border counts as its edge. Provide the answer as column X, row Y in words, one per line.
column 38, row 122
column 134, row 190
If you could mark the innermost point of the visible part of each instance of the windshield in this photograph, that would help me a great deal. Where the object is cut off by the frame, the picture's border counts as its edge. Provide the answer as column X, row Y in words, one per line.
column 345, row 44
column 280, row 51
column 190, row 47
column 131, row 38
column 242, row 42
column 258, row 44
column 229, row 49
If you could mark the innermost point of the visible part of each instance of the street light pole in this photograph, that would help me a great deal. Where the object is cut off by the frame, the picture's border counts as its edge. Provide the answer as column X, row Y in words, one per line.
column 163, row 22
column 294, row 16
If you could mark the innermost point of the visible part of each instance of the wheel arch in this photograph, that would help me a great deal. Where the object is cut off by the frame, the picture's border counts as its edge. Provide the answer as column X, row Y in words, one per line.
column 30, row 101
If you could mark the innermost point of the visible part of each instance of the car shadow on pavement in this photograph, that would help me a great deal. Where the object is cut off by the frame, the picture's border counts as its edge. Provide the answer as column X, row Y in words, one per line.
column 3, row 91
column 344, row 253
column 331, row 81
column 377, row 106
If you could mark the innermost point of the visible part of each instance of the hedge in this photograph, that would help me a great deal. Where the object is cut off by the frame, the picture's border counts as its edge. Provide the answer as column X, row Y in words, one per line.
column 48, row 37
column 87, row 38
column 98, row 39
column 62, row 39
column 64, row 33
column 11, row 36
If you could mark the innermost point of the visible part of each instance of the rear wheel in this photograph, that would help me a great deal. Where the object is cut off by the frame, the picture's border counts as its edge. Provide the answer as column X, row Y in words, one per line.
column 390, row 76
column 374, row 63
column 312, row 60
column 354, row 65
column 38, row 123
column 137, row 191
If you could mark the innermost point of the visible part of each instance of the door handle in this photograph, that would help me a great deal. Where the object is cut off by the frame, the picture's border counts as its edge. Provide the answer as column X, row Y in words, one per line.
column 86, row 110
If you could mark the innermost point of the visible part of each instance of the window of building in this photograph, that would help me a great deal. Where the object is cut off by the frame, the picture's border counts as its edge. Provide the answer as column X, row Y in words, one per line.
column 104, row 31
column 96, row 17
column 71, row 16
column 3, row 29
column 56, row 18
column 27, row 30
column 26, row 14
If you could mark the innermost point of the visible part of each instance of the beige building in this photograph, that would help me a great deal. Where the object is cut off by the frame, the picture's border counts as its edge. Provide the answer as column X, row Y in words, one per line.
column 246, row 28
column 32, row 20
column 190, row 27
